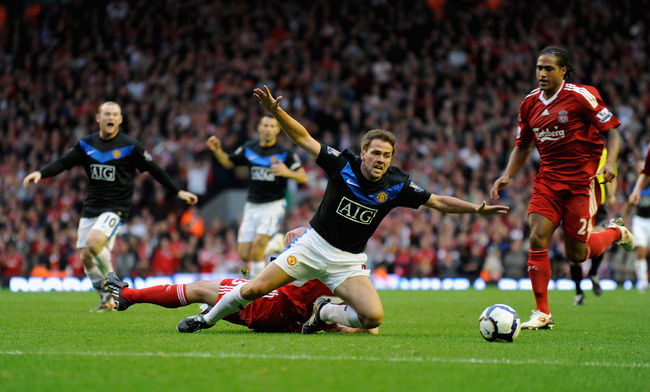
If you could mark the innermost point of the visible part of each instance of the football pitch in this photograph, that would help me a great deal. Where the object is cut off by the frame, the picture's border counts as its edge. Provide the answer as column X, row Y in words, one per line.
column 429, row 342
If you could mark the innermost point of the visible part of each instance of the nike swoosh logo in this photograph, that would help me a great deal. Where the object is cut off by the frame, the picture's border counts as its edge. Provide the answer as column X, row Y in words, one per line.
column 351, row 183
column 91, row 152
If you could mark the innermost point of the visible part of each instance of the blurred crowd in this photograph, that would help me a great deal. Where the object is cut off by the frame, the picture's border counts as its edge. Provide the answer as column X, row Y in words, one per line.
column 446, row 77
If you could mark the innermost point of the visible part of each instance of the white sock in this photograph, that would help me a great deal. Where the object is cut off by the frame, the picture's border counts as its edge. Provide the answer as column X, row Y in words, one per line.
column 342, row 314
column 641, row 269
column 256, row 268
column 103, row 260
column 97, row 279
column 230, row 303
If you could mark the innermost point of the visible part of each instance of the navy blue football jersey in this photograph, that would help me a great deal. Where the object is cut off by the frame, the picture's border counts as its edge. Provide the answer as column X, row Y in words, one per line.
column 264, row 186
column 111, row 168
column 352, row 206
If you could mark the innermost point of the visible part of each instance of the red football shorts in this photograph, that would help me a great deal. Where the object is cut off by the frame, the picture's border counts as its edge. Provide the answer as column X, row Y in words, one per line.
column 575, row 207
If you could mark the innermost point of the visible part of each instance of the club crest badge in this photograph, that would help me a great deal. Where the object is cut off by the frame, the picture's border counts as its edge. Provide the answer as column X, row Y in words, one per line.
column 562, row 116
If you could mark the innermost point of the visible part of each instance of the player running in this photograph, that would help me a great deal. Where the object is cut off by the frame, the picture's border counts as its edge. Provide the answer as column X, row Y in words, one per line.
column 110, row 159
column 566, row 122
column 270, row 164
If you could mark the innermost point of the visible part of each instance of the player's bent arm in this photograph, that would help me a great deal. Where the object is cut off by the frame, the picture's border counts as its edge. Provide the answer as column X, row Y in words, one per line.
column 641, row 183
column 518, row 157
column 300, row 175
column 451, row 204
column 214, row 145
column 613, row 145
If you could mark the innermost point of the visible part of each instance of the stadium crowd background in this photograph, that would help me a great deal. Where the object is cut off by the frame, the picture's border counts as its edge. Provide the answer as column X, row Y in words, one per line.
column 446, row 77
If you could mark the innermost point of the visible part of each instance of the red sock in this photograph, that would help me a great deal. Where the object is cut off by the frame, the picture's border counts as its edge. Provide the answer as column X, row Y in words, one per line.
column 599, row 242
column 169, row 296
column 539, row 271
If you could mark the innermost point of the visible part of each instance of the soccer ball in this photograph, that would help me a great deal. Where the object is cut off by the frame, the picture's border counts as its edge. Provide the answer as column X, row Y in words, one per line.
column 499, row 322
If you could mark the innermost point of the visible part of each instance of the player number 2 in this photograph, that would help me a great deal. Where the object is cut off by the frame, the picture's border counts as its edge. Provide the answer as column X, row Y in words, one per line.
column 583, row 228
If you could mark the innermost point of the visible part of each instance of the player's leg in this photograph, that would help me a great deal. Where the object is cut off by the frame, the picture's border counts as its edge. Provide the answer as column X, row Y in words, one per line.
column 267, row 218
column 238, row 298
column 168, row 295
column 539, row 269
column 641, row 230
column 363, row 309
column 245, row 235
column 96, row 236
column 576, row 277
column 256, row 255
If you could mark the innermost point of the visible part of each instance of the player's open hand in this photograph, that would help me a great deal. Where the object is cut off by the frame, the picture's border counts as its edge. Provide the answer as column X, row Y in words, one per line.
column 188, row 197
column 499, row 184
column 213, row 143
column 34, row 177
column 266, row 100
column 486, row 209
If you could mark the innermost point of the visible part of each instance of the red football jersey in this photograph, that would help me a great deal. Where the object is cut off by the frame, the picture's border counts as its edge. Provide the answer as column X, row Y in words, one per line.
column 281, row 310
column 566, row 130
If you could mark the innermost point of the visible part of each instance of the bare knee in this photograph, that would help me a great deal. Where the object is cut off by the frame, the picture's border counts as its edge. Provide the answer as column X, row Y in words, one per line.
column 372, row 320
column 253, row 290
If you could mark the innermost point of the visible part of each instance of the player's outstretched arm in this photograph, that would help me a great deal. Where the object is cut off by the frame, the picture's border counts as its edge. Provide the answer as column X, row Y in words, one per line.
column 517, row 158
column 34, row 177
column 296, row 132
column 452, row 204
column 187, row 197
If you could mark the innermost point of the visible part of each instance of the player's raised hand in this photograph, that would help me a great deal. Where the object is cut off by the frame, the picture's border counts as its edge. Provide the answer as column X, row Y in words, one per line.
column 213, row 143
column 486, row 209
column 499, row 184
column 188, row 197
column 34, row 177
column 266, row 100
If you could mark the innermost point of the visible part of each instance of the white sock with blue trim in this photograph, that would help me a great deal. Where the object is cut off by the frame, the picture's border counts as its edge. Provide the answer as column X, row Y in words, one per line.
column 342, row 314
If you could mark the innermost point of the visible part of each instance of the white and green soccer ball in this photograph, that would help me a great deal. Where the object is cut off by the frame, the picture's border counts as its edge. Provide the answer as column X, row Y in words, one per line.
column 499, row 322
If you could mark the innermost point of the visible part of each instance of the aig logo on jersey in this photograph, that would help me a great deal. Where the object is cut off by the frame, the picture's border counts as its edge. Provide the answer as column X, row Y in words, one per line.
column 259, row 173
column 102, row 172
column 355, row 212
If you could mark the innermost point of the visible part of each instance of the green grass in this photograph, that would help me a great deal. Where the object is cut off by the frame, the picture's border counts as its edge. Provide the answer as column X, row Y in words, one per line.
column 429, row 341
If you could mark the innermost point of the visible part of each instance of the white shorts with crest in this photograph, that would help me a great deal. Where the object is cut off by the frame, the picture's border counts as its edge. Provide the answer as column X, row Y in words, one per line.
column 310, row 256
column 108, row 223
column 261, row 218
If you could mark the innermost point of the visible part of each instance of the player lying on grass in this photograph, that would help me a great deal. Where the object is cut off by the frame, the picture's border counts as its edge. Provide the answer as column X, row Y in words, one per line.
column 283, row 310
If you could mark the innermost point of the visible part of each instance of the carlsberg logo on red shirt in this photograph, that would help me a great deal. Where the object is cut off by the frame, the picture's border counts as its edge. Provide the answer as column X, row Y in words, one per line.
column 548, row 134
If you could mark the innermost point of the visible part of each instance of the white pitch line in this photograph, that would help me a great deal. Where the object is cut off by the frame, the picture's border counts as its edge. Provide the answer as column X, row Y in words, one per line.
column 223, row 355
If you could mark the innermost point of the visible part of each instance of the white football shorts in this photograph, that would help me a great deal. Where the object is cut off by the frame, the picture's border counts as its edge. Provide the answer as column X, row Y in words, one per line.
column 641, row 231
column 108, row 223
column 310, row 256
column 261, row 218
